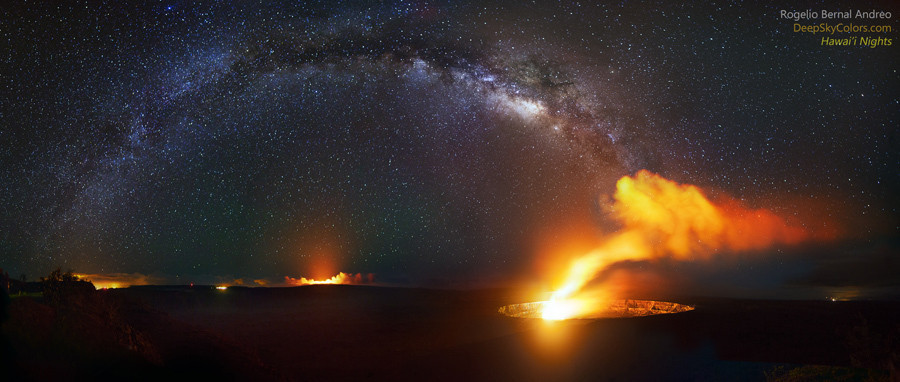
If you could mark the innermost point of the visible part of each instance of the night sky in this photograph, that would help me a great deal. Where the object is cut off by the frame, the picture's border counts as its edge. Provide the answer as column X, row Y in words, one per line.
column 429, row 143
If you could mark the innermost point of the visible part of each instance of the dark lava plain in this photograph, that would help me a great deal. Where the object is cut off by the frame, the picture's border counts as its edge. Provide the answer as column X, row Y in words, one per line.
column 337, row 332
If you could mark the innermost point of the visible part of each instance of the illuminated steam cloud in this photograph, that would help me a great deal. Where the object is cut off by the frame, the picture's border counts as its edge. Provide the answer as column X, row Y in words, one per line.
column 663, row 219
column 340, row 278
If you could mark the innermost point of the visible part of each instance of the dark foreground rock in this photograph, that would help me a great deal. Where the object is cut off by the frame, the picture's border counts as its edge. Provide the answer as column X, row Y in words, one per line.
column 376, row 333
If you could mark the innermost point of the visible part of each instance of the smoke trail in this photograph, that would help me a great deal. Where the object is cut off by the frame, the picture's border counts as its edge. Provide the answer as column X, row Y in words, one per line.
column 664, row 219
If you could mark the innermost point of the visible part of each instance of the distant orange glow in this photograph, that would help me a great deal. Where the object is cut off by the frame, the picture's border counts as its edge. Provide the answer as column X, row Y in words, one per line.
column 340, row 278
column 321, row 265
column 664, row 219
column 118, row 280
column 316, row 248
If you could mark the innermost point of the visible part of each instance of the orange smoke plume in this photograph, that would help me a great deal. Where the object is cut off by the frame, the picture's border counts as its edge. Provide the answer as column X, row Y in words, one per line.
column 118, row 280
column 685, row 223
column 340, row 278
column 664, row 219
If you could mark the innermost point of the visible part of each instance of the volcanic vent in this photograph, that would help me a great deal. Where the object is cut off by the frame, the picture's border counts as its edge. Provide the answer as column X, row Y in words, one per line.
column 616, row 309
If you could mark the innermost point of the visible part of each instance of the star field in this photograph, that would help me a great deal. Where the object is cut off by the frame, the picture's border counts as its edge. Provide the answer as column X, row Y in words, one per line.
column 425, row 142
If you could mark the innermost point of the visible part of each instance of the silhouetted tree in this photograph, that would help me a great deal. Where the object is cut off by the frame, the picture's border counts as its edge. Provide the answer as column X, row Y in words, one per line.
column 59, row 286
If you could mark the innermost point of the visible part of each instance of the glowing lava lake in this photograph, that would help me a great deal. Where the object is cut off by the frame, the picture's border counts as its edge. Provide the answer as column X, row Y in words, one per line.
column 557, row 310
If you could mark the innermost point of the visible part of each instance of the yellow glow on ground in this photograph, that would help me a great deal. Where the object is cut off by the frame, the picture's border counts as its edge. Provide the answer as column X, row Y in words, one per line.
column 581, row 309
column 559, row 310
